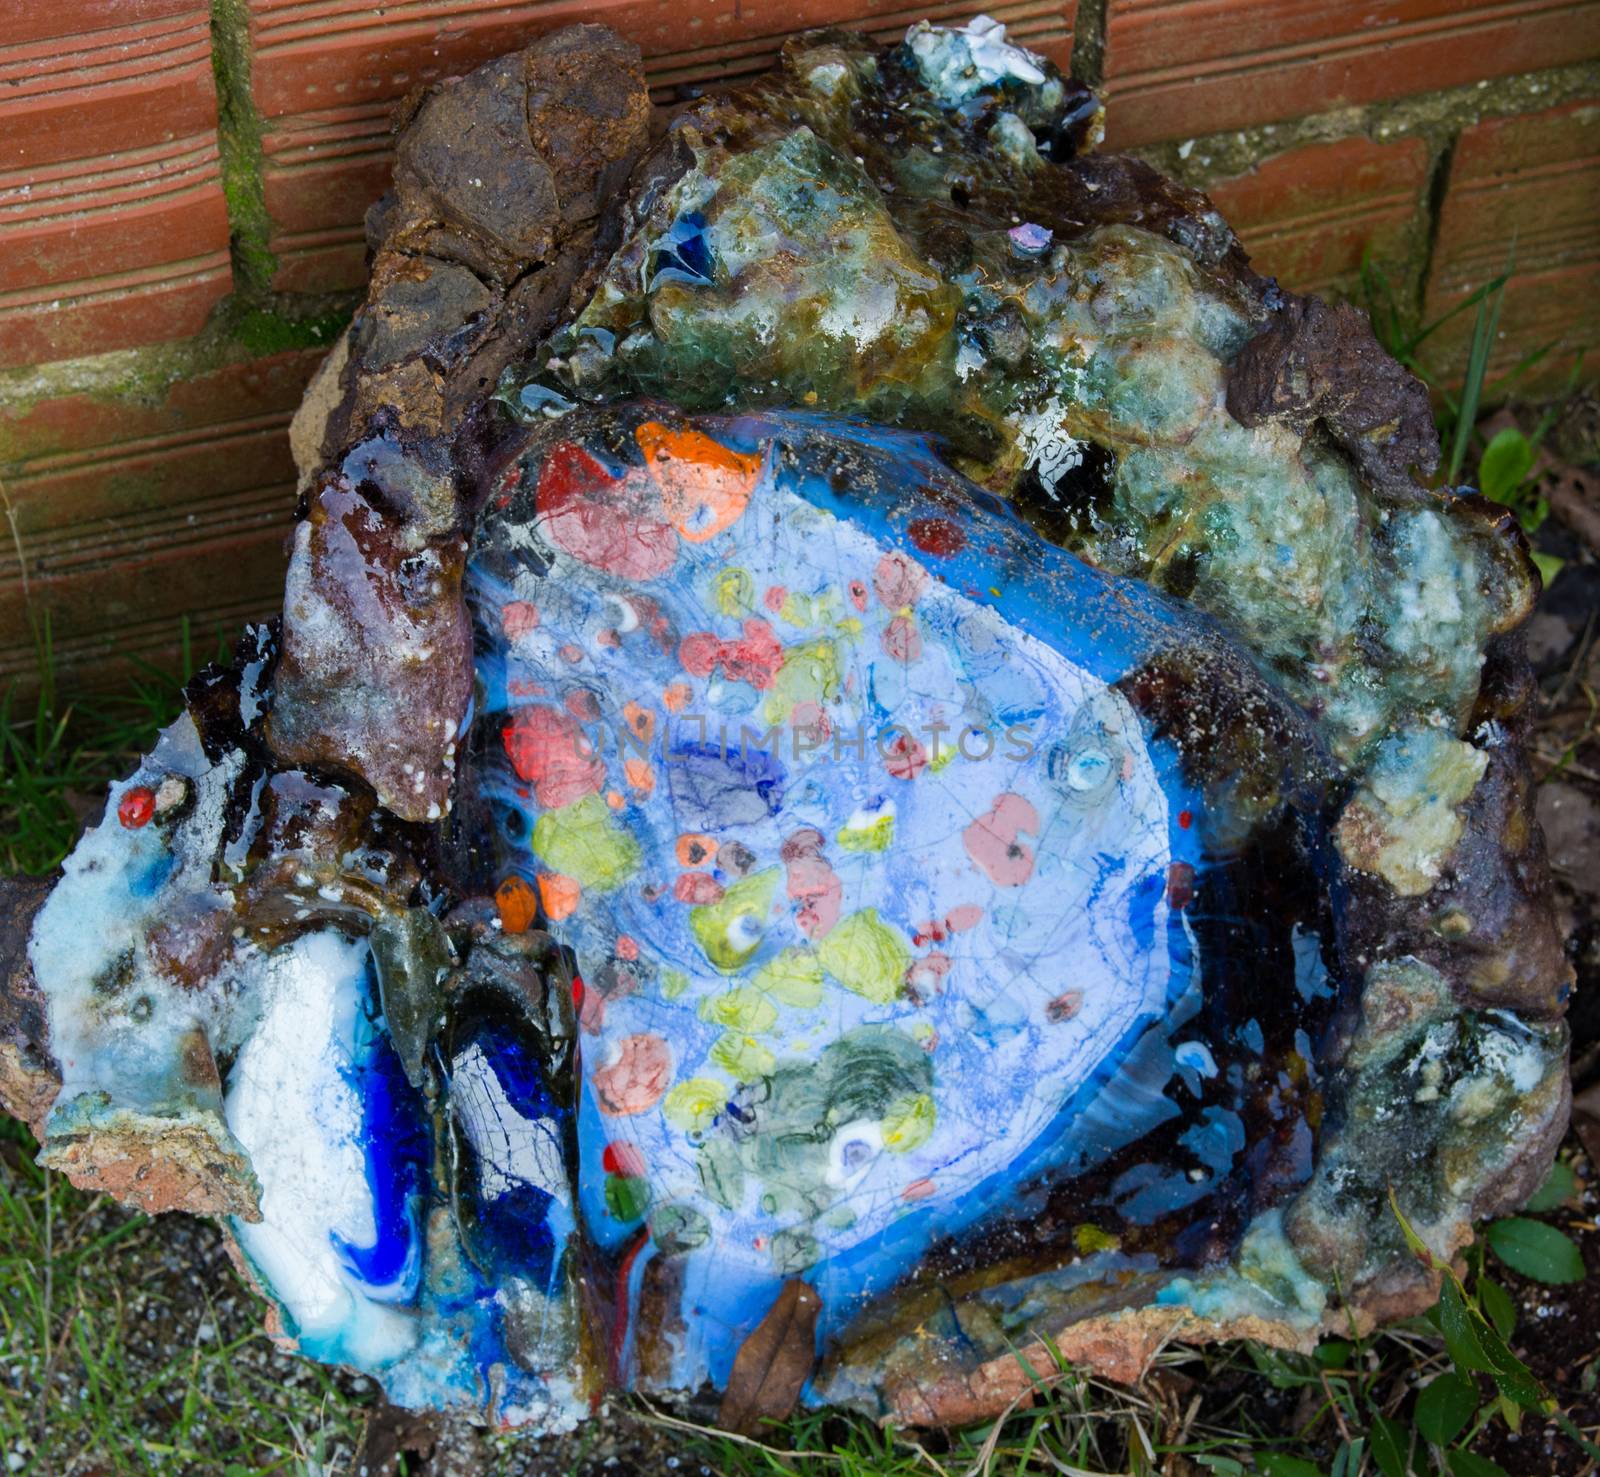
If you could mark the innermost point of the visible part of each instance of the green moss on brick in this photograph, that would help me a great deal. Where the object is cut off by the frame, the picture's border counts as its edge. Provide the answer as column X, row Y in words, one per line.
column 239, row 140
column 268, row 330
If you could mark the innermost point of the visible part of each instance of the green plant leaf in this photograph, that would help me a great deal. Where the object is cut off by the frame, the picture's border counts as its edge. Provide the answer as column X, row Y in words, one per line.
column 1470, row 1464
column 1536, row 1250
column 1548, row 565
column 1419, row 1247
column 1497, row 1307
column 1559, row 1186
column 1280, row 1464
column 1504, row 465
column 1484, row 328
column 1445, row 1407
column 1334, row 1353
column 1460, row 1330
column 1347, row 1460
column 1391, row 1447
column 1573, row 1434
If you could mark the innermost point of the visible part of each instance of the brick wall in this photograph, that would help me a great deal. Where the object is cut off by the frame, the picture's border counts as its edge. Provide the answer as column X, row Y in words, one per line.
column 182, row 184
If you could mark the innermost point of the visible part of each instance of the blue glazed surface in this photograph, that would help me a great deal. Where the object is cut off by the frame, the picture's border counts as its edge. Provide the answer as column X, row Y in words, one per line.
column 771, row 1115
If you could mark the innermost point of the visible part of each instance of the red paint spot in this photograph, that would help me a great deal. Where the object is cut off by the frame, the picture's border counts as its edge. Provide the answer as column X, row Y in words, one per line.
column 577, row 992
column 755, row 658
column 937, row 536
column 1180, row 885
column 624, row 1159
column 963, row 917
column 583, row 705
column 136, row 807
column 627, row 948
column 993, row 841
column 774, row 598
column 898, row 580
column 901, row 640
column 810, row 726
column 700, row 888
column 917, row 1190
column 609, row 523
column 858, row 594
column 517, row 905
column 812, row 884
column 1185, row 819
column 619, row 1328
column 1064, row 1007
column 928, row 973
column 905, row 758
column 518, row 617
column 547, row 748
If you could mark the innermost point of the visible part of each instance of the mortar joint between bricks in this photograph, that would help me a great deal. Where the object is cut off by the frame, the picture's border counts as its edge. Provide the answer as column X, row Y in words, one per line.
column 1089, row 42
column 239, row 131
column 1436, row 117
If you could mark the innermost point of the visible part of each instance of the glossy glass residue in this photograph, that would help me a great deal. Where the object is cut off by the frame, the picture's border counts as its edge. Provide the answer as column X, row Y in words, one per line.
column 682, row 893
column 879, row 893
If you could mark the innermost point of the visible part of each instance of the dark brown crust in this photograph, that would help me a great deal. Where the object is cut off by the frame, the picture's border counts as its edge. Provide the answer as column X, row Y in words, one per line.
column 29, row 1076
column 499, row 178
column 1315, row 362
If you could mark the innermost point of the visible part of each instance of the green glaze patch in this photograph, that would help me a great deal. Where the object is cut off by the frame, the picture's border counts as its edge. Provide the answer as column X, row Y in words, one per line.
column 730, row 930
column 583, row 842
column 865, row 955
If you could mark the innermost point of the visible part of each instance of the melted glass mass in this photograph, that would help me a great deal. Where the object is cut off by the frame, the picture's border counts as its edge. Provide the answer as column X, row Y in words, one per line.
column 903, row 918
column 875, row 768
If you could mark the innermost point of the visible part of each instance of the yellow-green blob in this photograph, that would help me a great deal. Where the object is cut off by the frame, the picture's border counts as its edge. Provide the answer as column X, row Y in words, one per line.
column 876, row 837
column 693, row 1104
column 809, row 674
column 793, row 978
column 807, row 610
column 730, row 929
column 865, row 955
column 581, row 841
column 1090, row 1239
column 908, row 1123
column 745, row 1009
column 673, row 983
column 733, row 592
column 743, row 1057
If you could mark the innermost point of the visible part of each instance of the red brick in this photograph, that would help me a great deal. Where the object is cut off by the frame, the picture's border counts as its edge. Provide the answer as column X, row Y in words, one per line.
column 111, row 202
column 87, row 80
column 133, row 512
column 322, row 171
column 119, row 310
column 319, row 54
column 1179, row 69
column 1529, row 184
column 327, row 72
column 1306, row 216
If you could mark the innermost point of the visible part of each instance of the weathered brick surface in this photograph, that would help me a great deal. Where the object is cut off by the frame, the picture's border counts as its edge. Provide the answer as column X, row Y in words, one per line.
column 1308, row 215
column 132, row 512
column 111, row 204
column 322, row 171
column 1177, row 69
column 1524, row 192
column 327, row 73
